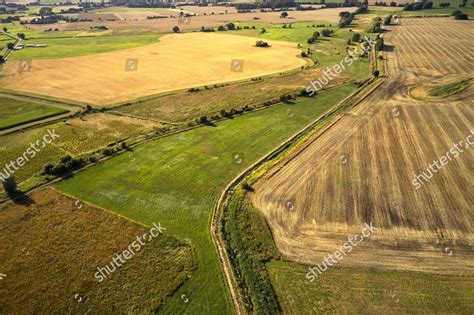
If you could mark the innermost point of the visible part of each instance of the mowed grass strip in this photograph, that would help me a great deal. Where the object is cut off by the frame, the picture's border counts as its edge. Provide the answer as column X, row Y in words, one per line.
column 177, row 179
column 16, row 112
column 53, row 244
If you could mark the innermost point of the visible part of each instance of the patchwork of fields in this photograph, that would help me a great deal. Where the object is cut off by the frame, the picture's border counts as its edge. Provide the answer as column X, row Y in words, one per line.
column 160, row 125
column 177, row 180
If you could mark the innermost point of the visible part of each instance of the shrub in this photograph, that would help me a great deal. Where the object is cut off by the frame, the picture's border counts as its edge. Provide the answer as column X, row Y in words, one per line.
column 461, row 16
column 455, row 12
column 230, row 26
column 66, row 159
column 356, row 37
column 221, row 28
column 284, row 14
column 261, row 43
column 108, row 152
column 247, row 186
column 48, row 168
column 326, row 32
column 176, row 29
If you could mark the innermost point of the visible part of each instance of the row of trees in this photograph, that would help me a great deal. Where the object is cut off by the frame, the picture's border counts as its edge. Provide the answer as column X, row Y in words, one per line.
column 418, row 6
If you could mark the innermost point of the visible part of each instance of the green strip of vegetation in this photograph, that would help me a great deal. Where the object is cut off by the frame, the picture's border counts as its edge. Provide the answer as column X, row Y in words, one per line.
column 450, row 88
column 252, row 245
column 16, row 112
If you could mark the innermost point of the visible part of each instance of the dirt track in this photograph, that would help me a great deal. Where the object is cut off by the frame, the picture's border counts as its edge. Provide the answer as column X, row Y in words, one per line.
column 362, row 169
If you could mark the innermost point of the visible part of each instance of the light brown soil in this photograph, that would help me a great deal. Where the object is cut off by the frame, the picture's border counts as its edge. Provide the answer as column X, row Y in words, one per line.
column 178, row 61
column 361, row 169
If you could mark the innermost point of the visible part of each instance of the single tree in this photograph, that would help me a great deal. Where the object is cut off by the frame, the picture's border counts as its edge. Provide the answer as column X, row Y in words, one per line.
column 176, row 29
column 9, row 185
column 284, row 14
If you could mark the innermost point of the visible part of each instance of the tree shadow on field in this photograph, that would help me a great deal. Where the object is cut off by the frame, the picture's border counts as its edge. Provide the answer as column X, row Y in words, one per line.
column 388, row 48
column 20, row 198
column 209, row 123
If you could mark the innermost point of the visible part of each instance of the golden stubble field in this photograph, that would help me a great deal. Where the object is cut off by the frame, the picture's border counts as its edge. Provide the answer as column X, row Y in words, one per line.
column 177, row 61
column 361, row 169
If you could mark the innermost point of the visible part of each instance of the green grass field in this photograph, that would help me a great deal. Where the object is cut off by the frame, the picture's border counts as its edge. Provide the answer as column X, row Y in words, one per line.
column 177, row 179
column 15, row 112
column 81, row 46
column 369, row 291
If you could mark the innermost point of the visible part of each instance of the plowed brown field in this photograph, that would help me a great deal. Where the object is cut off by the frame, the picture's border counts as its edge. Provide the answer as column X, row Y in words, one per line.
column 361, row 169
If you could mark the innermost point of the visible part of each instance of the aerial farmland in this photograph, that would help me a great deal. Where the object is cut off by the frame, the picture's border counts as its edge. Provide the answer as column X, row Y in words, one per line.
column 279, row 157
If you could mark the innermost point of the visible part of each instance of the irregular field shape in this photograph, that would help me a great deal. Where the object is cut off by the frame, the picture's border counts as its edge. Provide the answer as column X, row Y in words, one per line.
column 178, row 61
column 385, row 141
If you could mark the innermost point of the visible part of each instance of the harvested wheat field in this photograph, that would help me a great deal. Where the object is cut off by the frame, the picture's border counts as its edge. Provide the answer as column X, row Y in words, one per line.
column 362, row 169
column 52, row 245
column 178, row 61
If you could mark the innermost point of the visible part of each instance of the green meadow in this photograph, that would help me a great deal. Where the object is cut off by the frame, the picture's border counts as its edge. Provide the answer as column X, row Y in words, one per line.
column 81, row 46
column 15, row 112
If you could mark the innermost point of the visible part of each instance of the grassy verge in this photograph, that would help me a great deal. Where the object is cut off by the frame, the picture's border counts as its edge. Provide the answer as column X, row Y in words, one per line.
column 15, row 112
column 450, row 88
column 177, row 179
